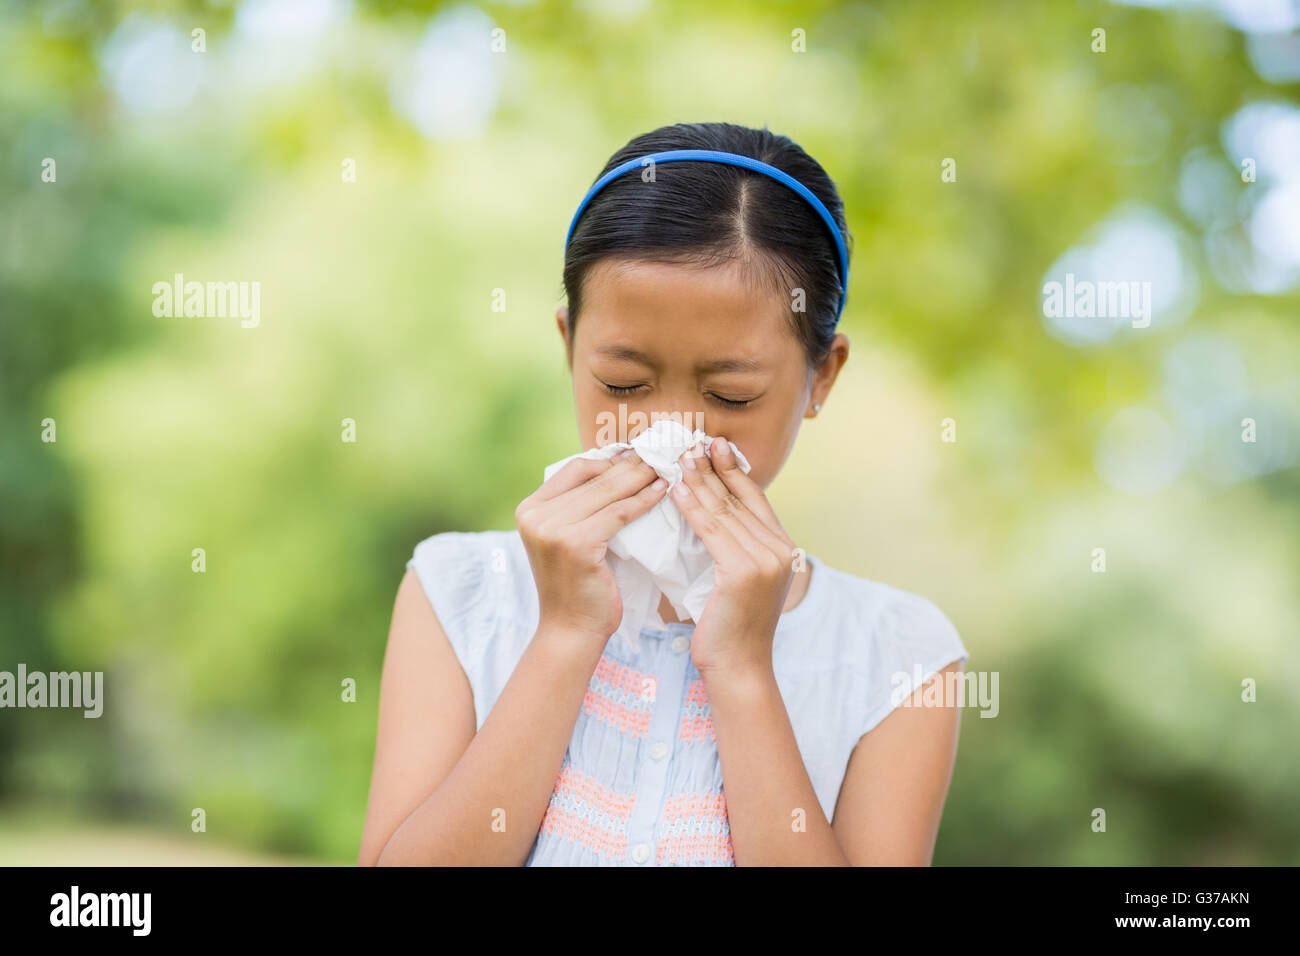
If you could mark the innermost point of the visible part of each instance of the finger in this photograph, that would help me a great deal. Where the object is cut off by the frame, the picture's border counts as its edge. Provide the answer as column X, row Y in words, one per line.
column 612, row 518
column 719, row 499
column 703, row 475
column 733, row 516
column 725, row 466
column 623, row 478
column 718, row 539
column 728, row 539
column 576, row 472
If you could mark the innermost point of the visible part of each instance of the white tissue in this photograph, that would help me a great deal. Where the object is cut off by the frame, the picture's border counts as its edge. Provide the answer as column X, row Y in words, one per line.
column 659, row 551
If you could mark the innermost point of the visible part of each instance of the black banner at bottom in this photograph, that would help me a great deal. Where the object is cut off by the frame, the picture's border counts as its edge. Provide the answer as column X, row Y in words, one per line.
column 330, row 904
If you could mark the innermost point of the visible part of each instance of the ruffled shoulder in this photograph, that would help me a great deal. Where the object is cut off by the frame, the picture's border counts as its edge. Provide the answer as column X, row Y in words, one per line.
column 473, row 582
column 911, row 640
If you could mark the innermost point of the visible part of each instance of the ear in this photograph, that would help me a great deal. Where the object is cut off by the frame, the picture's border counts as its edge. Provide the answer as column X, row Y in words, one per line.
column 825, row 374
column 562, row 323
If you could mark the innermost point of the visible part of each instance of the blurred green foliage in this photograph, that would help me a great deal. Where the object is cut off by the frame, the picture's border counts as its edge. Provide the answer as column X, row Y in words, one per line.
column 1119, row 691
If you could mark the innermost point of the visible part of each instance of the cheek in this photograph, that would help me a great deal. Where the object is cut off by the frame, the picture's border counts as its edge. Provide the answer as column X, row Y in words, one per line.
column 766, row 443
column 599, row 420
column 588, row 406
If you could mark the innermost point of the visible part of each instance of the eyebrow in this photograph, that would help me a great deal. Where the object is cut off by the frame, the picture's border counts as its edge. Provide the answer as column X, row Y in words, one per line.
column 716, row 365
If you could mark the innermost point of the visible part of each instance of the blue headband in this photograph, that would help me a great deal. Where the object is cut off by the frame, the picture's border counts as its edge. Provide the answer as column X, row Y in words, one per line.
column 732, row 159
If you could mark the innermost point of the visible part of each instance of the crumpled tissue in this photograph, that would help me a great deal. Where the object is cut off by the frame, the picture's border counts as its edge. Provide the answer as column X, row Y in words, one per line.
column 659, row 552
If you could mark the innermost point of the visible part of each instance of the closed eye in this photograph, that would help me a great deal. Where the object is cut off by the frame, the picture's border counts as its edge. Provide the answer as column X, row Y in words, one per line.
column 630, row 389
column 732, row 403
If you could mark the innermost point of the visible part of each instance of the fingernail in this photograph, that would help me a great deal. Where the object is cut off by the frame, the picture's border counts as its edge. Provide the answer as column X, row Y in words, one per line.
column 689, row 461
column 720, row 447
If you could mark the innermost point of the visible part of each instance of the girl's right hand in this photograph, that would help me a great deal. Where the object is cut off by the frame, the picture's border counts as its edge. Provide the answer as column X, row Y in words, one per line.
column 566, row 525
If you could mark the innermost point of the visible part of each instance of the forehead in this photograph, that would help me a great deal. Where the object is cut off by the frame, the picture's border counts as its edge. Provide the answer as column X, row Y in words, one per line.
column 679, row 309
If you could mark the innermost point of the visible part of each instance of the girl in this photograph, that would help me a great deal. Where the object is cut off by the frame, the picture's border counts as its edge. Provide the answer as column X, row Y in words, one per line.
column 514, row 730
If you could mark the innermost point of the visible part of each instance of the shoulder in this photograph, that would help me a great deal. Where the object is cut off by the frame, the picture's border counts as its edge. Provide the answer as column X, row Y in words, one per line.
column 884, row 613
column 905, row 618
column 442, row 551
column 893, row 638
column 478, row 583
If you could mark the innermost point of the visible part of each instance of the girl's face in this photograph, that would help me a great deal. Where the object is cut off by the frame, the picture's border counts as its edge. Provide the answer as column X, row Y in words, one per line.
column 690, row 341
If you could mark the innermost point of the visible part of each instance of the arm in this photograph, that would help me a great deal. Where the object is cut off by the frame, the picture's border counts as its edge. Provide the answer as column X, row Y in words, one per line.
column 890, row 801
column 764, row 776
column 893, row 793
column 439, row 792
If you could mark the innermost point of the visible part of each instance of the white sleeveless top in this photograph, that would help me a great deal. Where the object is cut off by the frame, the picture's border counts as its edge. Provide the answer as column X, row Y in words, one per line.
column 641, row 783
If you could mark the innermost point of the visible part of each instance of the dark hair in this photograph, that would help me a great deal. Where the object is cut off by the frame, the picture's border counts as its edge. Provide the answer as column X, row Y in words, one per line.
column 706, row 214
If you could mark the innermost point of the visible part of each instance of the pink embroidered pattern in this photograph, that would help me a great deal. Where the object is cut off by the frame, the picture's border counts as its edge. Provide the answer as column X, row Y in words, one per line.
column 621, row 697
column 696, row 722
column 584, row 812
column 695, row 829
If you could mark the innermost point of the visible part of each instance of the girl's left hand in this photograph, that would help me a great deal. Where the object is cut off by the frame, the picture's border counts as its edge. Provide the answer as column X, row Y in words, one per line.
column 753, row 560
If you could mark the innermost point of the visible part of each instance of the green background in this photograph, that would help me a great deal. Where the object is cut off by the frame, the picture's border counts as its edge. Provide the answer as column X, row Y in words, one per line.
column 1119, row 690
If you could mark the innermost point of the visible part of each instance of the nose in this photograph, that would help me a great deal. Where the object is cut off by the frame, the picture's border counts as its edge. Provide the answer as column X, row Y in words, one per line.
column 676, row 397
column 643, row 419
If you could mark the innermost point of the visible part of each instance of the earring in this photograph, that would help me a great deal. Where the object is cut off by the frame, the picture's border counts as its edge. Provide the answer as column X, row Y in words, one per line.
column 816, row 409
